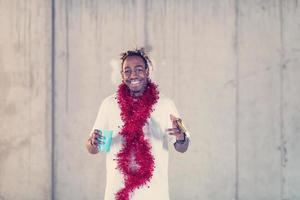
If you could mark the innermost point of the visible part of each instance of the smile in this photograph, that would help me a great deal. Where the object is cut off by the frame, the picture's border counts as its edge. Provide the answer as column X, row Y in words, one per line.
column 135, row 82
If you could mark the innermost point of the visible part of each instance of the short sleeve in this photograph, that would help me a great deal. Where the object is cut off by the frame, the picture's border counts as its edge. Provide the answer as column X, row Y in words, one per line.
column 101, row 121
column 173, row 110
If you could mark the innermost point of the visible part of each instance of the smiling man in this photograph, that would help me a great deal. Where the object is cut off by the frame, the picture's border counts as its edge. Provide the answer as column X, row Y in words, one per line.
column 135, row 74
column 143, row 121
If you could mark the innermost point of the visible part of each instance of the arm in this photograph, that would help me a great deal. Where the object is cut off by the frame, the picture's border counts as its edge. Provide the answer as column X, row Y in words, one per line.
column 91, row 143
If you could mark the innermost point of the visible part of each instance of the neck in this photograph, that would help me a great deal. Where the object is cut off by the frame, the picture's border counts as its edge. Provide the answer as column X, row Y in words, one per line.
column 136, row 94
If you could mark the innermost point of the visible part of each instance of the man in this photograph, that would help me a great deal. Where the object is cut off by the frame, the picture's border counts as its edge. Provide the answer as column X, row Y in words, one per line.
column 142, row 121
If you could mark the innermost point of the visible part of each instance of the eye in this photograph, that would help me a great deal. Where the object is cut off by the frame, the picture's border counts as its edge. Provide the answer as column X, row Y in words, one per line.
column 139, row 69
column 127, row 71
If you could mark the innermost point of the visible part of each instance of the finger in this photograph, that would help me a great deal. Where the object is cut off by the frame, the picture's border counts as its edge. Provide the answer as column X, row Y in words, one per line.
column 100, row 142
column 172, row 129
column 96, row 136
column 97, row 131
column 173, row 118
column 173, row 133
column 94, row 142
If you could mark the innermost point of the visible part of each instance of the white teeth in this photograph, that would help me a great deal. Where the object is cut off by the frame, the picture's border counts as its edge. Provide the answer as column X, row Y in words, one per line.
column 135, row 82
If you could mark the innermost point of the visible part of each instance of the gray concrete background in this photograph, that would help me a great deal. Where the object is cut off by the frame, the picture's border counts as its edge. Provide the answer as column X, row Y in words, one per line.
column 232, row 68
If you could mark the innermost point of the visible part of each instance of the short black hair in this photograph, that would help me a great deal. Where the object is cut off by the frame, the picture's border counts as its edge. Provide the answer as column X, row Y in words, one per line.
column 136, row 52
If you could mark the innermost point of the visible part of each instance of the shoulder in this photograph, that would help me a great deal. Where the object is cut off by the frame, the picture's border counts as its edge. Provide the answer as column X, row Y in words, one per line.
column 164, row 99
column 165, row 102
column 110, row 100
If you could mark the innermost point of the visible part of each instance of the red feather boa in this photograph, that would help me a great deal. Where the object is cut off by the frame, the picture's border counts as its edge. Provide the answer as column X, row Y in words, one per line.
column 135, row 160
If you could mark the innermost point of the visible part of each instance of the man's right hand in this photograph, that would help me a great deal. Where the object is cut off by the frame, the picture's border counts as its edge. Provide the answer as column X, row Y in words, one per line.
column 94, row 141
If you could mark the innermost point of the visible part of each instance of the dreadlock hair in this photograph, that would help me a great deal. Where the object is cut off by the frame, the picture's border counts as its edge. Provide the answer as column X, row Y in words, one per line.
column 136, row 52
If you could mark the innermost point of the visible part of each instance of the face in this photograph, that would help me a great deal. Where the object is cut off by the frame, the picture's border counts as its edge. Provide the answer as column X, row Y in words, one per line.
column 135, row 75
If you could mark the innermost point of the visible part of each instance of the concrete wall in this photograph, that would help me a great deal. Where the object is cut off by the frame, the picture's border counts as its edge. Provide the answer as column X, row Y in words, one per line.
column 232, row 68
column 25, row 100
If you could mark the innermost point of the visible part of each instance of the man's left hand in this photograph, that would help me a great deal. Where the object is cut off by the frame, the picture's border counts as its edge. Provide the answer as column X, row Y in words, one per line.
column 175, row 130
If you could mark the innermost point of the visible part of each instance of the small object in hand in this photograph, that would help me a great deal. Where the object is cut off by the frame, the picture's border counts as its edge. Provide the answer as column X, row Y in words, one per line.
column 180, row 125
column 104, row 142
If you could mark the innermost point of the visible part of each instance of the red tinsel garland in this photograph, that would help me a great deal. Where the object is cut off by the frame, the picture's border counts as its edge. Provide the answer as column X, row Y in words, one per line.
column 134, row 113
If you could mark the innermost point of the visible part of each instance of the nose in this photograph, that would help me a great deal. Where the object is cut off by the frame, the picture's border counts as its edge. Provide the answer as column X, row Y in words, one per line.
column 134, row 74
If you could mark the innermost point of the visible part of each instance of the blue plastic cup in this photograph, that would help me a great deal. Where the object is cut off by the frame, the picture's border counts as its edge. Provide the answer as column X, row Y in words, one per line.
column 104, row 146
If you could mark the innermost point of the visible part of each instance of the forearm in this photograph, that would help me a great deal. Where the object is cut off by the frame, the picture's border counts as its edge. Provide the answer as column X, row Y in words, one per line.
column 91, row 148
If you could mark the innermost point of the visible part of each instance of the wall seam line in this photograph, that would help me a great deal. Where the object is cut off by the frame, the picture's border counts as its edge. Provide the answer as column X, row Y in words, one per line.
column 53, row 99
column 282, row 137
column 67, row 57
column 236, row 49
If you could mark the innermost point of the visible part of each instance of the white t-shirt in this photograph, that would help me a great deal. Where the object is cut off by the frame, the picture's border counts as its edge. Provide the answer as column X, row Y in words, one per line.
column 109, row 118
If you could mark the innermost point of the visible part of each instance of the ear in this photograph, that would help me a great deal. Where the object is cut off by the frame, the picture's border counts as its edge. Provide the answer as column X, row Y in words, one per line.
column 122, row 76
column 147, row 72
